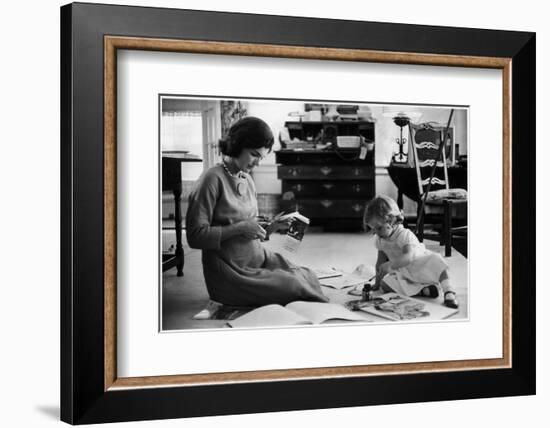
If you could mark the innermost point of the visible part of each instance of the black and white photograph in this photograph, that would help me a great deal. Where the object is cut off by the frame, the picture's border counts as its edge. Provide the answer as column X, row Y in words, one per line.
column 278, row 213
column 268, row 214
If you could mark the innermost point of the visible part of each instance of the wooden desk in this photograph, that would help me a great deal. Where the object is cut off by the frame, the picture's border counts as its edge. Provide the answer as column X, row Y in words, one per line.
column 404, row 178
column 330, row 188
column 171, row 181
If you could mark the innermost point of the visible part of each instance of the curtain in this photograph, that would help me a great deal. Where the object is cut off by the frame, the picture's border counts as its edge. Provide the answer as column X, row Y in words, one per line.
column 231, row 112
column 181, row 131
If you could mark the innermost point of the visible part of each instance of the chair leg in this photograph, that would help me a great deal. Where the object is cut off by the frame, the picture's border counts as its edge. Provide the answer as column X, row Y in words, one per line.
column 447, row 225
column 420, row 223
column 442, row 232
column 444, row 226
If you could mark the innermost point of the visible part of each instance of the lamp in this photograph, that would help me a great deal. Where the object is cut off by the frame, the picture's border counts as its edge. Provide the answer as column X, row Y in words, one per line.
column 401, row 117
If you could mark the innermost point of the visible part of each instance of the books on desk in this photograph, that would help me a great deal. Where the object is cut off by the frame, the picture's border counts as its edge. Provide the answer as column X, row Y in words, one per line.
column 295, row 313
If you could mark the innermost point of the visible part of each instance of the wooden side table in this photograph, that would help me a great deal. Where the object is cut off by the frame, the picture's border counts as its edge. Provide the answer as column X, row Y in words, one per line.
column 171, row 181
column 404, row 178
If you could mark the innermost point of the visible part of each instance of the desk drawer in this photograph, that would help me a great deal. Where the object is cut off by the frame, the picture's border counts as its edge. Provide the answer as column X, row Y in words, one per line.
column 329, row 188
column 327, row 208
column 323, row 172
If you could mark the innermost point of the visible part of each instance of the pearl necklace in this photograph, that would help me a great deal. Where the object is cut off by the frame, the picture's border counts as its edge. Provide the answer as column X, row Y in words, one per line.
column 239, row 175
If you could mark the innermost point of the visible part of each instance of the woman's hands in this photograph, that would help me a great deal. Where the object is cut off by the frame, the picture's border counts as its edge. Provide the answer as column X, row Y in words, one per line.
column 278, row 224
column 251, row 229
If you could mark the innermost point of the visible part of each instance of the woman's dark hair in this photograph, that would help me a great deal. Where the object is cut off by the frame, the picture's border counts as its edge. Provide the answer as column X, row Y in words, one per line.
column 247, row 133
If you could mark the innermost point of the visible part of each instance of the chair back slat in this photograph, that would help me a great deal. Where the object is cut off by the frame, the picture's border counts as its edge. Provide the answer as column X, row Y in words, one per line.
column 426, row 150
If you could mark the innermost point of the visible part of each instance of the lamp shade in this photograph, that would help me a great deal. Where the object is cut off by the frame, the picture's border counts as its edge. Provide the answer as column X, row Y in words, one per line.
column 405, row 113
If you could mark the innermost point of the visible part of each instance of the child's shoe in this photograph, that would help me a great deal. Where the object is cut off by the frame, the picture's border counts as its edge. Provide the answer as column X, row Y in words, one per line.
column 449, row 300
column 430, row 291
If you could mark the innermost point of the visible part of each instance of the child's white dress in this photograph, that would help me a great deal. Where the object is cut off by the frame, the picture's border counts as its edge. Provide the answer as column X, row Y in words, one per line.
column 425, row 268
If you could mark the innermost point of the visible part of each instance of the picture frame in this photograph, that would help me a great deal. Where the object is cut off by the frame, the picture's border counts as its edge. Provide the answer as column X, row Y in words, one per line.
column 91, row 392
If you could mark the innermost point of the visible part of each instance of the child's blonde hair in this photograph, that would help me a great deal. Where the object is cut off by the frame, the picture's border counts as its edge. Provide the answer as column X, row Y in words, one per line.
column 383, row 208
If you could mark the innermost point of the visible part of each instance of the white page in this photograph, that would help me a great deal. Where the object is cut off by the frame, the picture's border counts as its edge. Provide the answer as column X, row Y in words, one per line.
column 268, row 316
column 343, row 281
column 318, row 312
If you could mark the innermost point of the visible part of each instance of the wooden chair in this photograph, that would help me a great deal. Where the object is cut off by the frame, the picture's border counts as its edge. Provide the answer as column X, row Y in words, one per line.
column 436, row 198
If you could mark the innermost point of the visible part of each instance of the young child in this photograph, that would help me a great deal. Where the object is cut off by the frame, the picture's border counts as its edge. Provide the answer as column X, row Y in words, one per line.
column 404, row 265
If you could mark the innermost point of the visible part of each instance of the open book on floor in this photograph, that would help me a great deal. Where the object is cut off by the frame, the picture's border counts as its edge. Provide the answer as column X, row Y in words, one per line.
column 396, row 307
column 295, row 313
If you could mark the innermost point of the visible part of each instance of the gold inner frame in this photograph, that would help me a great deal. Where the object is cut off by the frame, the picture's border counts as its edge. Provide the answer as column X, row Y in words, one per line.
column 112, row 43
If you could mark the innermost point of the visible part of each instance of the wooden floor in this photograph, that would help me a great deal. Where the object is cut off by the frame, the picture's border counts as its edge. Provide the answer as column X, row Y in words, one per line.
column 183, row 297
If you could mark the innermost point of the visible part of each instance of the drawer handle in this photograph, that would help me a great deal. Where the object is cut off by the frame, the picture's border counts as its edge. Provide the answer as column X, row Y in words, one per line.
column 328, row 186
column 297, row 187
column 357, row 188
column 294, row 172
column 326, row 170
column 357, row 208
column 326, row 203
column 357, row 171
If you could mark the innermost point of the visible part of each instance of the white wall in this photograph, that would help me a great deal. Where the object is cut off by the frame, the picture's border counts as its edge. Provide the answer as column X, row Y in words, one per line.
column 29, row 220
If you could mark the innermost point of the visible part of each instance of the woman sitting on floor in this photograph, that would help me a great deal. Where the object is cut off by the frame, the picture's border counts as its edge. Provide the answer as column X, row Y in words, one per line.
column 221, row 221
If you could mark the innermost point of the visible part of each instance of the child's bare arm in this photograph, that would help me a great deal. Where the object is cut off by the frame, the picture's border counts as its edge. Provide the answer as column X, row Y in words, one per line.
column 382, row 258
column 404, row 259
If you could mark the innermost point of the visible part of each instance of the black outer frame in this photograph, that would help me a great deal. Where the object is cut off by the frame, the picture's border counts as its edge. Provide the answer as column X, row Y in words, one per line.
column 83, row 399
